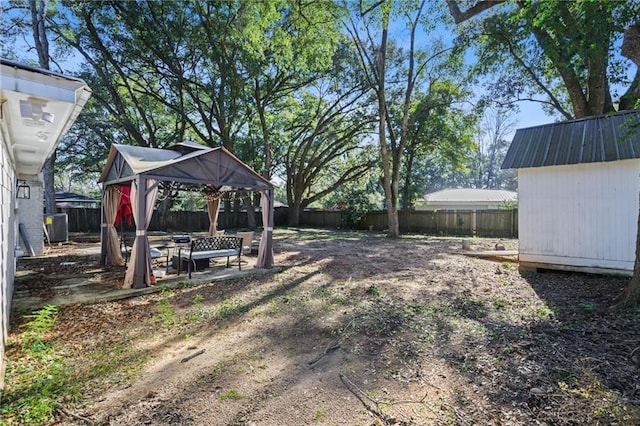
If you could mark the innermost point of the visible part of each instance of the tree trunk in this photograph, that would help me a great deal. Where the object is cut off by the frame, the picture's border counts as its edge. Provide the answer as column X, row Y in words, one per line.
column 38, row 21
column 264, row 129
column 394, row 222
column 38, row 15
column 392, row 210
column 251, row 211
column 631, row 49
column 630, row 297
column 407, row 196
column 227, row 213
column 163, row 207
column 237, row 207
column 49, row 189
column 294, row 214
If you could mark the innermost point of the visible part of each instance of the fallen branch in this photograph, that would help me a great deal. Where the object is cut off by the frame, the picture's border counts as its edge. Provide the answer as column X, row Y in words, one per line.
column 362, row 396
column 75, row 416
column 377, row 410
column 331, row 346
column 193, row 355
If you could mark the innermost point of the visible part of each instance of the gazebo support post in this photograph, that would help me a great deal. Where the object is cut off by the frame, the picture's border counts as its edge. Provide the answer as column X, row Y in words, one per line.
column 265, row 251
column 103, row 231
column 269, row 228
column 141, row 235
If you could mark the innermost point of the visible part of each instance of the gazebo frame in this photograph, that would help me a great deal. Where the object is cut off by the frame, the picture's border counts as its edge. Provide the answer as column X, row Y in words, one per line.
column 144, row 168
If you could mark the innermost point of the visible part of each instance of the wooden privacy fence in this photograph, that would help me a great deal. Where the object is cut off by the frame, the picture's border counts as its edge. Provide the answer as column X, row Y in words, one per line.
column 481, row 223
column 88, row 220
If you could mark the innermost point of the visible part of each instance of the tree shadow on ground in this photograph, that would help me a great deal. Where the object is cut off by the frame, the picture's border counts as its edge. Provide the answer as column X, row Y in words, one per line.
column 566, row 361
column 393, row 316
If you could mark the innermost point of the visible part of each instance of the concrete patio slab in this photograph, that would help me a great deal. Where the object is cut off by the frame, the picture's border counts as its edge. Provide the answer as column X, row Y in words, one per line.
column 76, row 290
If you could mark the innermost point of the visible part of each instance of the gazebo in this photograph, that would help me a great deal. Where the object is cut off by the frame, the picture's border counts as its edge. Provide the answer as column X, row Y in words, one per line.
column 142, row 169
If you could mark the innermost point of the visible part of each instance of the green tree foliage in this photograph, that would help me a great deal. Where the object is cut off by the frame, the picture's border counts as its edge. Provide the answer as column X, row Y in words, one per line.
column 194, row 75
column 218, row 73
column 396, row 74
column 159, row 86
column 355, row 200
column 439, row 128
column 556, row 53
column 292, row 46
column 438, row 172
column 327, row 125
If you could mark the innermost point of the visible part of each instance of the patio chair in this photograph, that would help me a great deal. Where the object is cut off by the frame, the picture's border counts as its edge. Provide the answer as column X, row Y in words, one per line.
column 247, row 241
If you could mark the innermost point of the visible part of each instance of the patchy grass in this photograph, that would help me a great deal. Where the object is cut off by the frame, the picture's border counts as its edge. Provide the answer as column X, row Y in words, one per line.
column 346, row 334
column 231, row 394
column 166, row 314
column 40, row 375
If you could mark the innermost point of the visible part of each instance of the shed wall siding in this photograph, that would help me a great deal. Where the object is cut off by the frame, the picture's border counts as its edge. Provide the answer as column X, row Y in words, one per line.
column 582, row 215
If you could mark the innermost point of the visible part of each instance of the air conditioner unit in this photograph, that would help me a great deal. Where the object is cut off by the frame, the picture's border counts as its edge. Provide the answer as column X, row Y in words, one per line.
column 57, row 227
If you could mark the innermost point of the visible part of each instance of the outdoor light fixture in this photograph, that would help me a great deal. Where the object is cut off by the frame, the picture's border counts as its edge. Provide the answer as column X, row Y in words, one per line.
column 33, row 110
column 23, row 190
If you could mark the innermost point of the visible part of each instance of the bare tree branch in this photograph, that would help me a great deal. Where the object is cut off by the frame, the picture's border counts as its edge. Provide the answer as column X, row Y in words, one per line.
column 476, row 9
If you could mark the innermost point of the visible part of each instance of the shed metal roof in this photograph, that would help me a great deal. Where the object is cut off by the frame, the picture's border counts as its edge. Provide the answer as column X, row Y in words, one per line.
column 587, row 140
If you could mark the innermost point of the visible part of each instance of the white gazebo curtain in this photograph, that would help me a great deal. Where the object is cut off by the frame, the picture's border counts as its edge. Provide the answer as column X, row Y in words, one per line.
column 142, row 219
column 110, row 204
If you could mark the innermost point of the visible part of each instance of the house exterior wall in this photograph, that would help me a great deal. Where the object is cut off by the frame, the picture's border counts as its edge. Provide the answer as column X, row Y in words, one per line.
column 7, row 244
column 31, row 215
column 579, row 217
column 23, row 153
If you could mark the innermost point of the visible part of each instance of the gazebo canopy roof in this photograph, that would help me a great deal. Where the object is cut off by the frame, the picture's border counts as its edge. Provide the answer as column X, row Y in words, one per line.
column 187, row 162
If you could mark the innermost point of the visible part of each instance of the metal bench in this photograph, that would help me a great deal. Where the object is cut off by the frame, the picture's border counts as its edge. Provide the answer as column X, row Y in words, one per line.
column 209, row 248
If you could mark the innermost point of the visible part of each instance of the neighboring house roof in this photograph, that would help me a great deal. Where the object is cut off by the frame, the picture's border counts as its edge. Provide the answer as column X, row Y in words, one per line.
column 471, row 195
column 71, row 198
column 587, row 140
column 37, row 108
column 187, row 162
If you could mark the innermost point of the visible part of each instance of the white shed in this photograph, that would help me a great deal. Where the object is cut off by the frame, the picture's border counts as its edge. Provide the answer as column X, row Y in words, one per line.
column 578, row 193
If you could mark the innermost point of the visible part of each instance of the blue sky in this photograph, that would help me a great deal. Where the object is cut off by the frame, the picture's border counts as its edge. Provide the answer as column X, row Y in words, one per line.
column 529, row 114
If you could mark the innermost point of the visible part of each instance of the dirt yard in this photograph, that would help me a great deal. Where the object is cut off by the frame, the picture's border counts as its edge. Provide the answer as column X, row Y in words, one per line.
column 354, row 329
